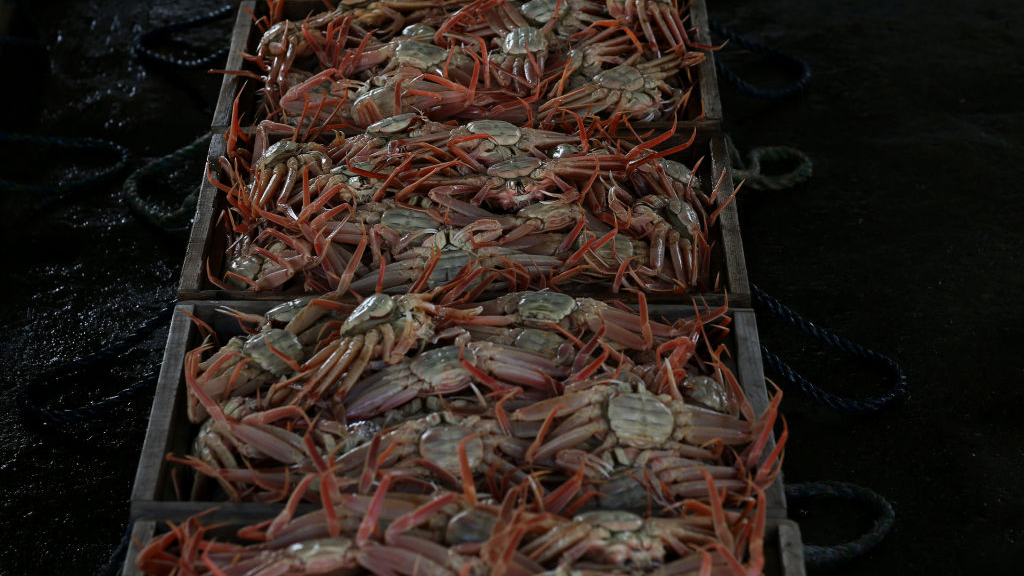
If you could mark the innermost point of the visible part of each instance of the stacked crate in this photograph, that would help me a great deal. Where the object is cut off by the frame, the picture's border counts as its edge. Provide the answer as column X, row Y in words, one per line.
column 154, row 498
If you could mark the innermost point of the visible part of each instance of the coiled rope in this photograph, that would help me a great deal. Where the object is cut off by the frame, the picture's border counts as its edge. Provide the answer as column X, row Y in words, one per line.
column 752, row 177
column 827, row 556
column 750, row 171
column 798, row 65
column 898, row 393
column 143, row 46
column 58, row 143
column 173, row 220
column 31, row 410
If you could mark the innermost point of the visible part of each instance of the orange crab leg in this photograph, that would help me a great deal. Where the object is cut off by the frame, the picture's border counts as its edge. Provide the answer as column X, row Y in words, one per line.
column 465, row 472
column 404, row 192
column 418, row 516
column 531, row 452
column 368, row 525
column 428, row 270
column 662, row 154
column 391, row 177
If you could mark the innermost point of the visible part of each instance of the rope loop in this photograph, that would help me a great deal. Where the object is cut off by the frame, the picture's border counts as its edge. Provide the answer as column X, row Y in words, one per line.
column 103, row 407
column 144, row 51
column 798, row 65
column 885, row 518
column 172, row 220
column 59, row 143
column 899, row 391
column 750, row 171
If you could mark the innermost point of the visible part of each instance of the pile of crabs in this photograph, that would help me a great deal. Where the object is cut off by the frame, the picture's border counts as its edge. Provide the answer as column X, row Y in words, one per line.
column 417, row 158
column 394, row 155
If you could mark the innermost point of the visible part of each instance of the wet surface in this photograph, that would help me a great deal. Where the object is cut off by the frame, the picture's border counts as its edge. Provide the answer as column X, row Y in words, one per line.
column 83, row 270
column 906, row 240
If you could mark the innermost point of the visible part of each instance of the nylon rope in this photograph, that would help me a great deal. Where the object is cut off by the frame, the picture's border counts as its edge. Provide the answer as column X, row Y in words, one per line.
column 899, row 391
column 799, row 66
column 61, row 143
column 143, row 46
column 750, row 171
column 829, row 556
column 172, row 220
column 102, row 407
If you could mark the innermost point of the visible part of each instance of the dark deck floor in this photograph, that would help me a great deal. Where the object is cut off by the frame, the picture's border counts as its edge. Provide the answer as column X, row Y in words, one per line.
column 908, row 240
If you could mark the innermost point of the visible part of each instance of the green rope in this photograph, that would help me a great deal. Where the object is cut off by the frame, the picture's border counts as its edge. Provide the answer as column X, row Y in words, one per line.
column 750, row 171
column 173, row 219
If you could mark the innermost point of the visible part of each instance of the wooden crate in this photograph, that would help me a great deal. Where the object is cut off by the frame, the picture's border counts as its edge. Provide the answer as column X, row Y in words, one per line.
column 708, row 77
column 703, row 109
column 783, row 548
column 233, row 84
column 170, row 431
column 208, row 239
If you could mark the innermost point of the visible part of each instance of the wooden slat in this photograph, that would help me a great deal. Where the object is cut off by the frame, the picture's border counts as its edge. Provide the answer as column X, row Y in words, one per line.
column 180, row 511
column 750, row 371
column 708, row 77
column 166, row 417
column 790, row 549
column 736, row 281
column 201, row 238
column 232, row 83
column 142, row 532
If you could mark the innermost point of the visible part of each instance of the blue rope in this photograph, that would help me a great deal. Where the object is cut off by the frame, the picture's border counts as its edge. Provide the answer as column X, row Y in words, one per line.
column 143, row 51
column 885, row 518
column 53, row 142
column 799, row 65
column 103, row 407
column 898, row 393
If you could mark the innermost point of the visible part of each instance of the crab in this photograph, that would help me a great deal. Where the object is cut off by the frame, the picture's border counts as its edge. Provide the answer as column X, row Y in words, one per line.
column 240, row 367
column 521, row 180
column 624, row 329
column 459, row 450
column 381, row 327
column 409, row 51
column 616, row 414
column 450, row 369
column 483, row 143
column 638, row 90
